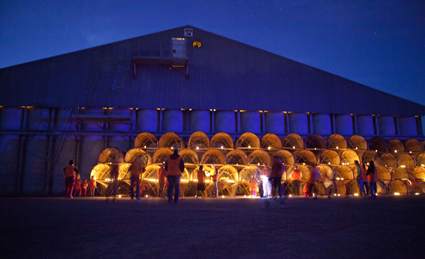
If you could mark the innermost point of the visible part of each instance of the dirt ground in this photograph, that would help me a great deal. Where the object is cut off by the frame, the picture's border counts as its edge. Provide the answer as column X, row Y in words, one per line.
column 388, row 227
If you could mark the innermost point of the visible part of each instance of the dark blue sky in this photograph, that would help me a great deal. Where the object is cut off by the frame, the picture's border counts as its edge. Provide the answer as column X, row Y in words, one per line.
column 377, row 43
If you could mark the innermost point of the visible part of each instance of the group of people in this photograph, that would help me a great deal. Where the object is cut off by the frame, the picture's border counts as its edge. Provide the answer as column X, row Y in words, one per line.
column 74, row 186
column 270, row 181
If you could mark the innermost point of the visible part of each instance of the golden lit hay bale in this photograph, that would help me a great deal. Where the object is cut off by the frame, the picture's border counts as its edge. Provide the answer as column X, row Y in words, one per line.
column 199, row 140
column 286, row 157
column 170, row 140
column 344, row 172
column 145, row 140
column 161, row 155
column 351, row 187
column 400, row 173
column 259, row 157
column 138, row 154
column 292, row 141
column 100, row 171
column 315, row 141
column 397, row 186
column 379, row 144
column 248, row 141
column 237, row 157
column 341, row 188
column 330, row 157
column 305, row 157
column 228, row 173
column 349, row 156
column 383, row 173
column 305, row 172
column 213, row 156
column 388, row 160
column 123, row 171
column 413, row 145
column 151, row 172
column 270, row 142
column 189, row 156
column 405, row 160
column 247, row 172
column 371, row 156
column 395, row 146
column 419, row 172
column 110, row 155
column 420, row 159
column 222, row 140
column 336, row 141
column 357, row 142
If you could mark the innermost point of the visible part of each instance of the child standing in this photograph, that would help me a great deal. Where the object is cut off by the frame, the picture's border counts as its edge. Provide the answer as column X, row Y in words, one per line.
column 84, row 188
column 92, row 185
column 254, row 186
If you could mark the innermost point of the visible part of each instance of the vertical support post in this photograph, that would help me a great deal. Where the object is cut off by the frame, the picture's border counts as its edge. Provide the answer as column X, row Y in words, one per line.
column 376, row 122
column 287, row 129
column 333, row 126
column 161, row 115
column 354, row 116
column 212, row 121
column 239, row 121
column 263, row 120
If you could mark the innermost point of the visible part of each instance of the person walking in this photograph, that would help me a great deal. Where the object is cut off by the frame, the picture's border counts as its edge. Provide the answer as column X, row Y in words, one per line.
column 266, row 183
column 330, row 183
column 296, row 176
column 69, row 172
column 276, row 176
column 371, row 178
column 215, row 180
column 174, row 167
column 162, row 174
column 359, row 178
column 315, row 177
column 135, row 172
column 200, row 187
column 77, row 186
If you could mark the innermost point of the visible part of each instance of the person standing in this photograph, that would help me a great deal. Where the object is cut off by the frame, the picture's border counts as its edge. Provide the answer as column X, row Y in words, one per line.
column 77, row 186
column 92, row 185
column 371, row 178
column 162, row 174
column 296, row 176
column 365, row 182
column 174, row 167
column 266, row 183
column 315, row 176
column 201, row 181
column 276, row 176
column 330, row 183
column 135, row 171
column 359, row 178
column 253, row 184
column 214, row 177
column 84, row 186
column 114, row 176
column 69, row 172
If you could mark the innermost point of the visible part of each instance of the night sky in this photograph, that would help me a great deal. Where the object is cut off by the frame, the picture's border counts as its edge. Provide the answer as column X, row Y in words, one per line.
column 380, row 44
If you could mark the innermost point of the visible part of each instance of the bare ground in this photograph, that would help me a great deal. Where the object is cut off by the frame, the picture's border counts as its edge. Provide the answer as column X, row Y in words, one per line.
column 388, row 227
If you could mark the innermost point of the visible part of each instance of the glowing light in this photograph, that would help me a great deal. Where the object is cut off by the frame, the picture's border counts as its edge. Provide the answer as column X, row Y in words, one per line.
column 376, row 150
column 356, row 194
column 315, row 148
column 303, row 163
column 339, row 194
column 342, row 178
column 338, row 178
column 356, row 148
column 222, row 147
column 119, row 196
column 402, row 166
column 336, row 147
column 290, row 195
column 237, row 164
column 329, row 163
column 268, row 148
column 422, row 165
column 196, row 196
column 410, row 152
column 197, row 147
column 293, row 147
column 334, row 194
column 244, row 196
column 258, row 163
column 222, row 196
column 417, row 193
column 147, row 196
column 396, row 193
column 172, row 148
column 249, row 146
column 395, row 151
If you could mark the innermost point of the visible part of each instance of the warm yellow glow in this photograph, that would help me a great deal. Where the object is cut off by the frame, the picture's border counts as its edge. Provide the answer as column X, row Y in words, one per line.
column 258, row 163
column 293, row 147
column 338, row 178
column 178, row 38
column 119, row 196
column 402, row 166
column 315, row 148
column 417, row 193
column 290, row 195
column 196, row 196
column 222, row 196
column 249, row 146
column 172, row 147
column 395, row 151
column 269, row 148
column 356, row 194
column 339, row 194
column 376, row 150
column 356, row 148
column 410, row 152
column 336, row 147
column 244, row 196
column 197, row 147
column 303, row 163
column 329, row 163
column 342, row 178
column 396, row 193
column 422, row 165
column 145, row 146
column 147, row 196
column 222, row 147
column 237, row 163
column 334, row 194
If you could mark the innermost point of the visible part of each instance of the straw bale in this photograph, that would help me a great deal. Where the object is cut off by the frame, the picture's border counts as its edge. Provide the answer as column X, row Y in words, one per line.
column 138, row 154
column 305, row 157
column 170, row 139
column 315, row 141
column 286, row 157
column 397, row 186
column 395, row 146
column 161, row 155
column 237, row 157
column 383, row 173
column 420, row 159
column 379, row 144
column 330, row 157
column 370, row 155
column 419, row 172
column 405, row 160
column 336, row 140
column 145, row 139
column 349, row 156
column 248, row 141
column 199, row 140
column 189, row 156
column 357, row 142
column 221, row 140
column 388, row 160
column 213, row 156
column 272, row 141
column 109, row 155
column 413, row 145
column 292, row 140
column 259, row 157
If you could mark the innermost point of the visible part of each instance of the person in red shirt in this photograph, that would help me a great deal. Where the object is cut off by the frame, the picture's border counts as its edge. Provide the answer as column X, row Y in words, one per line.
column 174, row 167
column 84, row 186
column 77, row 186
column 371, row 178
column 69, row 172
column 162, row 174
column 276, row 176
column 253, row 184
column 296, row 176
column 92, row 185
column 201, row 181
column 359, row 172
column 215, row 180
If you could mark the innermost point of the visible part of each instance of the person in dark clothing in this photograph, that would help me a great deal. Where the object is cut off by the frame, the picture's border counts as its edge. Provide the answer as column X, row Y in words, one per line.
column 174, row 166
